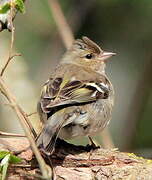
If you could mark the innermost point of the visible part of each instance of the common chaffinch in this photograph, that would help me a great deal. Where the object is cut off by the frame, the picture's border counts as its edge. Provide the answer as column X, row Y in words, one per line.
column 77, row 99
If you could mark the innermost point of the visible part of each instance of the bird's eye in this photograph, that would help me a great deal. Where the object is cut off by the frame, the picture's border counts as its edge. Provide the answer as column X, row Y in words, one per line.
column 89, row 56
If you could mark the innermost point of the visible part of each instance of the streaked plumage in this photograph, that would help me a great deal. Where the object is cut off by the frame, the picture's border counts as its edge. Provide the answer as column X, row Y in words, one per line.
column 77, row 99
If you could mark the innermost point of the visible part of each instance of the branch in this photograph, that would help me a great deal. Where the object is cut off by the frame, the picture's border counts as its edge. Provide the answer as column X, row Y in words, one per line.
column 10, row 57
column 24, row 122
column 11, row 134
column 31, row 114
column 72, row 162
column 7, row 62
column 62, row 25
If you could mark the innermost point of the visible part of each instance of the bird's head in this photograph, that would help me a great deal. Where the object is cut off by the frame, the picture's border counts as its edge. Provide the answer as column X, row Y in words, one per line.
column 85, row 52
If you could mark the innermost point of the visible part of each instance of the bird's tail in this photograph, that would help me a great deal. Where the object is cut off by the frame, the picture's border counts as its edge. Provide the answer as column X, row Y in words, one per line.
column 47, row 138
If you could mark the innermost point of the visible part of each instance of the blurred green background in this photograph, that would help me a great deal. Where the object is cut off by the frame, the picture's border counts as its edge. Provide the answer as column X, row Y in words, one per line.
column 119, row 26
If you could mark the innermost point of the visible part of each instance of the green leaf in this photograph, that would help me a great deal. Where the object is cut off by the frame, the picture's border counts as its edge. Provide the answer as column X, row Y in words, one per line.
column 20, row 5
column 6, row 158
column 4, row 8
column 4, row 164
column 13, row 158
column 3, row 154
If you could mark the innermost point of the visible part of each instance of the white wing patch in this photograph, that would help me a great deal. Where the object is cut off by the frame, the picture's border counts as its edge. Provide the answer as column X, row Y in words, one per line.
column 104, row 85
column 101, row 87
column 98, row 88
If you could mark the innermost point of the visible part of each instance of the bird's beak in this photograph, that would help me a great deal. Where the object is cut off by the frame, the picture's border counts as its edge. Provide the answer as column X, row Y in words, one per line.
column 105, row 55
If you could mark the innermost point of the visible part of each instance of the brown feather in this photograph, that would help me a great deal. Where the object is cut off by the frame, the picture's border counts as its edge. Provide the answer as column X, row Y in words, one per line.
column 87, row 44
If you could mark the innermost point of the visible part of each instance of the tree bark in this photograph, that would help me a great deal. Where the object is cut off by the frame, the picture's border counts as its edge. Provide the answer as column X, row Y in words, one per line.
column 71, row 162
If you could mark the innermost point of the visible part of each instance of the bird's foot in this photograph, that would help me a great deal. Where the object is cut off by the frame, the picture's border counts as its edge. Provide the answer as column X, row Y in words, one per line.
column 93, row 144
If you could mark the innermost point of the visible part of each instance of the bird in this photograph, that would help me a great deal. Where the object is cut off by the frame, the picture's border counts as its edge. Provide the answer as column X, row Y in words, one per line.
column 78, row 98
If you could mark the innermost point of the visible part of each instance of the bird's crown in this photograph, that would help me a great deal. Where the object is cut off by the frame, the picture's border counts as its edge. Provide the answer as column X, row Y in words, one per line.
column 87, row 44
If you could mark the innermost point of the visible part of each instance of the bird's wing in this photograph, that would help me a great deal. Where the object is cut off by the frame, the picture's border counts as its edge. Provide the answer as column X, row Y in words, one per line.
column 63, row 91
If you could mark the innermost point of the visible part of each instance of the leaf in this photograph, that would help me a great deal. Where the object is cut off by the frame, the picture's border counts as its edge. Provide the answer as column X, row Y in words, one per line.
column 13, row 158
column 3, row 154
column 19, row 4
column 6, row 158
column 4, row 164
column 3, row 9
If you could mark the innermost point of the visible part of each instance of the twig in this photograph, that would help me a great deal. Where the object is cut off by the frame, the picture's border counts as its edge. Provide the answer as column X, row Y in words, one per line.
column 31, row 114
column 12, row 42
column 10, row 56
column 11, row 134
column 26, row 115
column 62, row 25
column 7, row 62
column 23, row 120
column 21, row 165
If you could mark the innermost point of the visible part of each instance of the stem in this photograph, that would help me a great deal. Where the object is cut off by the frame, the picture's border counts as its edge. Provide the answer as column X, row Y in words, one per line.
column 46, row 171
column 62, row 25
column 11, row 134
